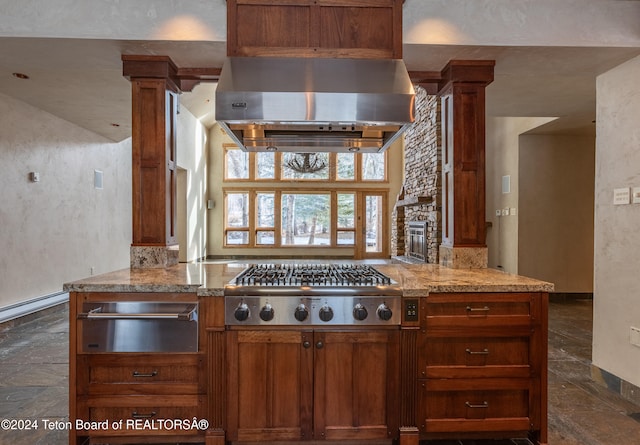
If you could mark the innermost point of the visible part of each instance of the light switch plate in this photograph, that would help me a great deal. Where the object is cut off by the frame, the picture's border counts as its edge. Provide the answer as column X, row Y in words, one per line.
column 97, row 179
column 621, row 196
column 634, row 336
column 506, row 184
column 635, row 195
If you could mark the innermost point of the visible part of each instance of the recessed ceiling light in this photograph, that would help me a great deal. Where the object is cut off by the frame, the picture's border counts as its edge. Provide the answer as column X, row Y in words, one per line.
column 20, row 76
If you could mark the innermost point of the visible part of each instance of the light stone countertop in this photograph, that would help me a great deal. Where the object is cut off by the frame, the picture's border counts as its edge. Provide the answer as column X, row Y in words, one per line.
column 208, row 279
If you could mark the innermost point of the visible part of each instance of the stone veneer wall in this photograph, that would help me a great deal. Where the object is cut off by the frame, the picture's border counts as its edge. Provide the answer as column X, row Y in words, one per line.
column 422, row 177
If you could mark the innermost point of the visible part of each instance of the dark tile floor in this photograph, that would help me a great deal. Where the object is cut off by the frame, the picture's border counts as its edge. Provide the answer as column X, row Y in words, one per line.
column 34, row 382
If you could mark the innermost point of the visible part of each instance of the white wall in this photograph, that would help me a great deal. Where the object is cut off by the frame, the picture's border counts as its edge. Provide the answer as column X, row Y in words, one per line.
column 56, row 230
column 192, row 190
column 617, row 239
column 551, row 181
column 555, row 219
column 521, row 22
column 452, row 22
column 123, row 19
column 502, row 147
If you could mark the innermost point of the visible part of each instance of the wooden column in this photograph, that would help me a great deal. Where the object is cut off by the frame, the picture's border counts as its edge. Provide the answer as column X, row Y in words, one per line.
column 154, row 88
column 462, row 93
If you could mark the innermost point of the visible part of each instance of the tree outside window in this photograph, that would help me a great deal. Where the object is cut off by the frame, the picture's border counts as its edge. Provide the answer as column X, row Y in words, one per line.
column 306, row 219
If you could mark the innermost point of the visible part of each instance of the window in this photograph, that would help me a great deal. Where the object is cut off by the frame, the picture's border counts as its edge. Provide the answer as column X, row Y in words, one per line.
column 346, row 166
column 346, row 219
column 265, row 218
column 265, row 165
column 236, row 164
column 237, row 219
column 306, row 219
column 269, row 166
column 289, row 218
column 268, row 204
column 373, row 167
column 293, row 163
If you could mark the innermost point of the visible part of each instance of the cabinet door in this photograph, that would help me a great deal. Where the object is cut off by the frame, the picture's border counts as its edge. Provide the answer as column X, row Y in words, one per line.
column 270, row 386
column 356, row 385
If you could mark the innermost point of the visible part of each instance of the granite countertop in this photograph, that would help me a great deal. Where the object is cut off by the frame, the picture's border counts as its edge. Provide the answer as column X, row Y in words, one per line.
column 208, row 279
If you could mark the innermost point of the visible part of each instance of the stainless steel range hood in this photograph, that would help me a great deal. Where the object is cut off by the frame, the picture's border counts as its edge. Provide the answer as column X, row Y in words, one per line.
column 314, row 105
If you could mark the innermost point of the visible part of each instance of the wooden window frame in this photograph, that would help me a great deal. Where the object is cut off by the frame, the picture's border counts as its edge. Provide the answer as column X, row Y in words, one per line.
column 228, row 229
column 253, row 227
column 278, row 169
column 231, row 147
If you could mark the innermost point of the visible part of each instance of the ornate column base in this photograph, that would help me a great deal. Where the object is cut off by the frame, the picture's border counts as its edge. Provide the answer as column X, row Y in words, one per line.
column 464, row 257
column 154, row 257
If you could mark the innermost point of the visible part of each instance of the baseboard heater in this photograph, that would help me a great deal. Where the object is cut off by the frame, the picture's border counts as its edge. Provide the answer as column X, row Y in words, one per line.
column 30, row 306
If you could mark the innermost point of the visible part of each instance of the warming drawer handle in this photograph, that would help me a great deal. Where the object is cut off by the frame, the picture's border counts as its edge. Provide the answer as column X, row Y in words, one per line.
column 137, row 415
column 483, row 352
column 478, row 309
column 96, row 314
column 145, row 374
column 471, row 405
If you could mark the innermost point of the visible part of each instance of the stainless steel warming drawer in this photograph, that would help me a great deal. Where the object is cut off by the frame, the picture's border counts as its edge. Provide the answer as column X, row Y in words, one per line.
column 139, row 327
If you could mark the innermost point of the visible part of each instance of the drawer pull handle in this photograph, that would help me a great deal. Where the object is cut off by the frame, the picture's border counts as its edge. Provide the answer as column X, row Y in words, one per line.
column 190, row 313
column 471, row 405
column 137, row 415
column 477, row 309
column 483, row 352
column 145, row 374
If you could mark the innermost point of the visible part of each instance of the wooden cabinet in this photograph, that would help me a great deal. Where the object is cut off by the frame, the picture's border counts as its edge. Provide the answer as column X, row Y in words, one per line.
column 298, row 385
column 356, row 385
column 315, row 28
column 482, row 365
column 134, row 397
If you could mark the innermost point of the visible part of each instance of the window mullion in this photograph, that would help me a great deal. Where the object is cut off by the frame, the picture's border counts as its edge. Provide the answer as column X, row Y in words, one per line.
column 277, row 218
column 333, row 240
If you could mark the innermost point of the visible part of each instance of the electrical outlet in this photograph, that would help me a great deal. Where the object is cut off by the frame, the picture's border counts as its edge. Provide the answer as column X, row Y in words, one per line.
column 498, row 212
column 505, row 212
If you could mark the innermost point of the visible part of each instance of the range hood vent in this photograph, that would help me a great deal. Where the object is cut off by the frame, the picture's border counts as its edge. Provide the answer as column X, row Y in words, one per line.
column 314, row 105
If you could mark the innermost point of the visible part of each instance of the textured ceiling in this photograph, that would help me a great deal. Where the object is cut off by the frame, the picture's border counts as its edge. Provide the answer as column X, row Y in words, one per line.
column 80, row 80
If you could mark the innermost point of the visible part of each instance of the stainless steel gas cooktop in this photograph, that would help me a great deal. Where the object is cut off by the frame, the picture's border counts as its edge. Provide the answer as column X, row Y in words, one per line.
column 312, row 294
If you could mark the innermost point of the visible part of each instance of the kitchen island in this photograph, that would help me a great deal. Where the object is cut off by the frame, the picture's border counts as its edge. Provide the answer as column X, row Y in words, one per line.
column 468, row 359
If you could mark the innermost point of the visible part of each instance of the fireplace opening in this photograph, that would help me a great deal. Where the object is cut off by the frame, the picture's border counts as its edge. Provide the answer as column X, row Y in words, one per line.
column 417, row 245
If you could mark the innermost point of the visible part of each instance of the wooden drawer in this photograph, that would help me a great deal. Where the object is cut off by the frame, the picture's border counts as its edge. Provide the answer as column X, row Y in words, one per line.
column 479, row 357
column 143, row 414
column 474, row 406
column 478, row 314
column 131, row 374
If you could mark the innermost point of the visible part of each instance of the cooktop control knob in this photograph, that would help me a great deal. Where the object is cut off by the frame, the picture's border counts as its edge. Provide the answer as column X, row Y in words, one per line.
column 326, row 313
column 266, row 313
column 301, row 312
column 242, row 312
column 360, row 312
column 384, row 313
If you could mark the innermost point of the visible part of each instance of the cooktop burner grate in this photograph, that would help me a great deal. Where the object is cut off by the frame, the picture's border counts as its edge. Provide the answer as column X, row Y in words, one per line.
column 311, row 275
